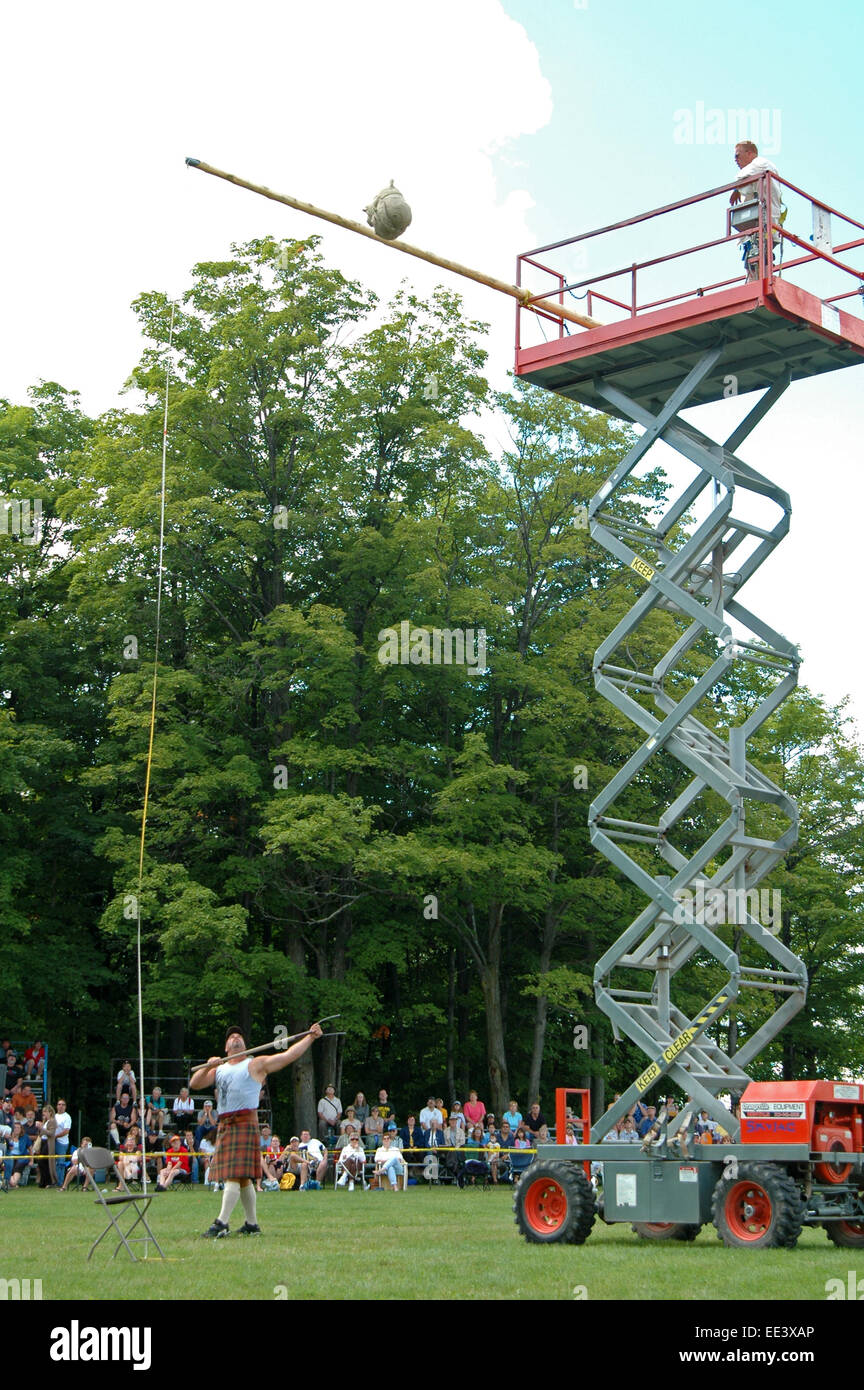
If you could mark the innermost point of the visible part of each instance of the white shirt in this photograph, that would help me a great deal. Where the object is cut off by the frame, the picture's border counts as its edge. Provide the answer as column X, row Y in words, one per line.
column 427, row 1116
column 64, row 1124
column 351, row 1151
column 751, row 190
column 314, row 1149
column 125, row 1075
column 383, row 1156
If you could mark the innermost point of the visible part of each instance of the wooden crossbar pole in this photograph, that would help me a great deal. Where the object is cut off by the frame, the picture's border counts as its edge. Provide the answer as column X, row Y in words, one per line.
column 547, row 306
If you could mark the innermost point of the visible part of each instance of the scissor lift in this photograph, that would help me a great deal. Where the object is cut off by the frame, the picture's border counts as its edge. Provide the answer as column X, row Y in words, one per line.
column 650, row 361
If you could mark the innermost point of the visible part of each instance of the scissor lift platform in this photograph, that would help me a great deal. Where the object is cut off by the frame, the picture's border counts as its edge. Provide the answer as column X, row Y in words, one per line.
column 788, row 322
column 763, row 332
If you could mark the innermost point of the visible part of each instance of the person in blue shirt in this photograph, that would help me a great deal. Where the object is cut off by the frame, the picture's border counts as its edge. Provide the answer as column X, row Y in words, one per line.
column 512, row 1116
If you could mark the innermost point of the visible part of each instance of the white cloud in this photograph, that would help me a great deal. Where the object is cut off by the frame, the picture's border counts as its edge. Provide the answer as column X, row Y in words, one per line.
column 326, row 102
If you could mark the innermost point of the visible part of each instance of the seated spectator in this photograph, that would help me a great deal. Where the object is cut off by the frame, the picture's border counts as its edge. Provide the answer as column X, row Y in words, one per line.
column 154, row 1144
column 474, row 1110
column 293, row 1160
column 570, row 1135
column 34, row 1060
column 23, row 1097
column 206, row 1150
column 361, row 1109
column 272, row 1166
column 123, row 1115
column 385, row 1106
column 429, row 1113
column 439, row 1105
column 329, row 1115
column 350, row 1120
column 77, row 1168
column 156, row 1101
column 351, row 1164
column 17, row 1164
column 208, row 1120
column 535, row 1118
column 542, row 1136
column 183, row 1108
column 388, row 1162
column 189, row 1146
column 513, row 1116
column 374, row 1128
column 491, row 1132
column 476, row 1139
column 129, row 1159
column 351, row 1132
column 126, row 1081
column 176, row 1164
column 705, row 1125
column 457, row 1118
column 649, row 1115
column 264, row 1137
column 14, row 1073
column 412, row 1141
column 519, row 1160
column 313, row 1167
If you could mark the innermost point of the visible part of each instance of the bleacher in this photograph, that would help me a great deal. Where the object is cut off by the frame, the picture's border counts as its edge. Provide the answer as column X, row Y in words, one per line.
column 172, row 1074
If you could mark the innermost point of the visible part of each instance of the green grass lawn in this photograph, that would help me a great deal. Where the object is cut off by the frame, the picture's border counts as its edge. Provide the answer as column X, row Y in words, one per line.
column 421, row 1244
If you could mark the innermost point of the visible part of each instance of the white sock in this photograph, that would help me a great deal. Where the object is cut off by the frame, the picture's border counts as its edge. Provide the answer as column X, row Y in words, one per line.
column 249, row 1199
column 229, row 1201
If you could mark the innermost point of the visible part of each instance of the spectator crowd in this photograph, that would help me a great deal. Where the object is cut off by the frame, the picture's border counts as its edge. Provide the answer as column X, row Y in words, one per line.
column 361, row 1145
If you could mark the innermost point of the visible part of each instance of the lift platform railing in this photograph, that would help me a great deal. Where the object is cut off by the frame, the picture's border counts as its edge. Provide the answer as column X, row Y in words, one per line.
column 807, row 236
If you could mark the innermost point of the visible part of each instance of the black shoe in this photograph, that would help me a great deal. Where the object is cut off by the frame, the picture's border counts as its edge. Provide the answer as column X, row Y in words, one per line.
column 247, row 1230
column 217, row 1231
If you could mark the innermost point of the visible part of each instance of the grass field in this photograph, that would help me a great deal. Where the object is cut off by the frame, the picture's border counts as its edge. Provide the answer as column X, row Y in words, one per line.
column 421, row 1244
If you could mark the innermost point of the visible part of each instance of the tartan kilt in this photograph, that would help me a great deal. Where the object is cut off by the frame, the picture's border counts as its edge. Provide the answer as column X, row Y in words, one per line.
column 237, row 1152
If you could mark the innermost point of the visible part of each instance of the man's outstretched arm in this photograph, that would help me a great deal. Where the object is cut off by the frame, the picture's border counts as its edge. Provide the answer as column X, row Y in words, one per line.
column 205, row 1076
column 259, row 1067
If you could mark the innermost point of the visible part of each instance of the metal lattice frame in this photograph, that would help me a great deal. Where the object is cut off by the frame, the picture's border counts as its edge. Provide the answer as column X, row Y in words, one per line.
column 696, row 583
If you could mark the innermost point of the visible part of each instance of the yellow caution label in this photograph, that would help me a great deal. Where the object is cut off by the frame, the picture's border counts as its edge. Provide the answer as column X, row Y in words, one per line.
column 649, row 1074
column 642, row 567
column 679, row 1044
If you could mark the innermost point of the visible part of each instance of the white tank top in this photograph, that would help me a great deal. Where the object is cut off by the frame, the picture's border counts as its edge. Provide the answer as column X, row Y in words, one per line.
column 235, row 1088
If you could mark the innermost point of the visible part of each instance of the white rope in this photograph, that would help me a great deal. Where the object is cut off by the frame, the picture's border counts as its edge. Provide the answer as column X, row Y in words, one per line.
column 149, row 765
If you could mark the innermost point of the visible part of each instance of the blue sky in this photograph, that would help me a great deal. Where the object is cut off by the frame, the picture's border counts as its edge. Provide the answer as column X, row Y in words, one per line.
column 620, row 69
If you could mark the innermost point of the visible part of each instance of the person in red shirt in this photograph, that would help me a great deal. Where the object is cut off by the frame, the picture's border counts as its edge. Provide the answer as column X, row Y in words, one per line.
column 34, row 1060
column 474, row 1110
column 176, row 1164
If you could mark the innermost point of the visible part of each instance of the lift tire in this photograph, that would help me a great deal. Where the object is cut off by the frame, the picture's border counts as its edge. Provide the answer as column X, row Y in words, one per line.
column 554, row 1202
column 761, row 1208
column 665, row 1230
column 849, row 1234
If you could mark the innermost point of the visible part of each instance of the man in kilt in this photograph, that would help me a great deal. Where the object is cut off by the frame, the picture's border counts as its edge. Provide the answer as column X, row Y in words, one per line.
column 236, row 1160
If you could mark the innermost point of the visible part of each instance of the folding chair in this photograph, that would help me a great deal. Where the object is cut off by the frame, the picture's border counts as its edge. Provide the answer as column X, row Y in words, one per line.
column 94, row 1159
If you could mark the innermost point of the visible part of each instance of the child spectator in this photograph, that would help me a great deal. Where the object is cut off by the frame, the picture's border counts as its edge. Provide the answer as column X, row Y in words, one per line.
column 77, row 1167
column 126, row 1081
column 176, row 1165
